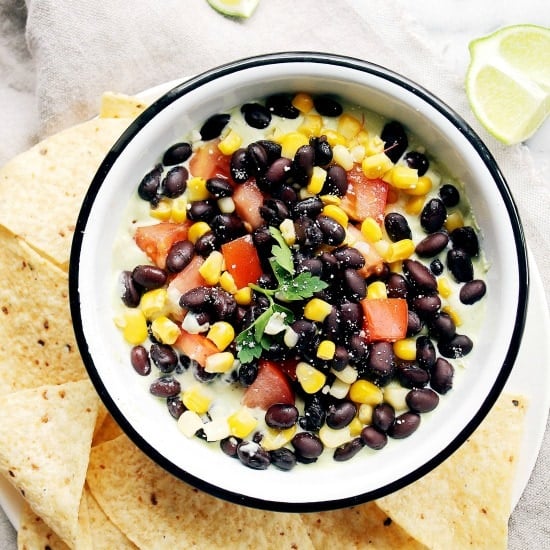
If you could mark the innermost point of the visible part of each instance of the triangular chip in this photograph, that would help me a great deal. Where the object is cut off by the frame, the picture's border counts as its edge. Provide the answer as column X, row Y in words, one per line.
column 157, row 511
column 45, row 443
column 116, row 105
column 37, row 343
column 33, row 533
column 466, row 501
column 108, row 430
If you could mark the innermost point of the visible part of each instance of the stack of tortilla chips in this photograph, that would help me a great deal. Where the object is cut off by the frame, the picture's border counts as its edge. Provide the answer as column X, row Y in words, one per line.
column 84, row 485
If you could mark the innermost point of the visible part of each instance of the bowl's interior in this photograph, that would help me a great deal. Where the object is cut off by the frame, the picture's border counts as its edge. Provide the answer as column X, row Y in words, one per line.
column 311, row 487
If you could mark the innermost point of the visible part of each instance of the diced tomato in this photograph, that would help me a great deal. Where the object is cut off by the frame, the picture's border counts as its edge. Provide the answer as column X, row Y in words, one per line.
column 288, row 366
column 156, row 240
column 385, row 319
column 208, row 161
column 196, row 346
column 242, row 261
column 364, row 197
column 373, row 260
column 189, row 277
column 270, row 386
column 248, row 198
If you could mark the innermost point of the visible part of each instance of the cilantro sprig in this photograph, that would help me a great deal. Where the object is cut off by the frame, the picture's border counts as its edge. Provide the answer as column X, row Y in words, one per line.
column 252, row 341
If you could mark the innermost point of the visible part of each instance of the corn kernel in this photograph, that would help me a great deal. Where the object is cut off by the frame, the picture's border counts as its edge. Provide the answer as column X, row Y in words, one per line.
column 374, row 145
column 317, row 309
column 196, row 189
column 363, row 391
column 216, row 430
column 400, row 250
column 243, row 296
column 396, row 396
column 221, row 333
column 423, row 187
column 348, row 374
column 311, row 379
column 396, row 266
column 275, row 439
column 330, row 199
column 241, row 422
column 402, row 177
column 197, row 399
column 453, row 314
column 178, row 213
column 365, row 413
column 375, row 166
column 197, row 230
column 336, row 213
column 226, row 205
column 454, row 221
column 219, row 362
column 288, row 232
column 357, row 153
column 326, row 349
column 332, row 438
column 444, row 287
column 317, row 180
column 211, row 269
column 339, row 389
column 333, row 137
column 153, row 303
column 162, row 211
column 414, row 205
column 371, row 230
column 311, row 125
column 348, row 126
column 227, row 282
column 189, row 423
column 291, row 142
column 290, row 337
column 230, row 143
column 377, row 290
column 134, row 327
column 165, row 330
column 383, row 248
column 405, row 349
column 355, row 427
column 342, row 156
column 303, row 102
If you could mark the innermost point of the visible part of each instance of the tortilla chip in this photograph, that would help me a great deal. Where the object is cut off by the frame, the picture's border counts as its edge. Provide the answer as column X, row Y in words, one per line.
column 37, row 344
column 108, row 430
column 44, row 186
column 44, row 450
column 156, row 511
column 115, row 105
column 105, row 534
column 364, row 526
column 466, row 501
column 34, row 533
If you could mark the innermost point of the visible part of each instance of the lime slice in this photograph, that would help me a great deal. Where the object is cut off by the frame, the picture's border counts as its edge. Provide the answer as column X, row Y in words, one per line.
column 235, row 8
column 508, row 81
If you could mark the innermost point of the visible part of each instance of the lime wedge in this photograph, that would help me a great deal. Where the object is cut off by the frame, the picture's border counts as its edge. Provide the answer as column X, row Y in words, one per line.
column 508, row 81
column 235, row 8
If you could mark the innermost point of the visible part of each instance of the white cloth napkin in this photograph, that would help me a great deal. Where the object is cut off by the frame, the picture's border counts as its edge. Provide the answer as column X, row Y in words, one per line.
column 81, row 48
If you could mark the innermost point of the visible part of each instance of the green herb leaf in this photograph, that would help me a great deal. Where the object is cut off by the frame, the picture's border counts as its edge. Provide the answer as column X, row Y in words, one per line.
column 282, row 253
column 304, row 286
column 248, row 348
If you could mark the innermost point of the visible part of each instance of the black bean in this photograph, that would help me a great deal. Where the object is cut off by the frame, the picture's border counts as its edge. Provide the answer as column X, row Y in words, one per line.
column 179, row 256
column 308, row 233
column 304, row 160
column 341, row 358
column 177, row 153
column 247, row 373
column 323, row 150
column 307, row 445
column 175, row 406
column 442, row 326
column 414, row 323
column 419, row 276
column 348, row 256
column 442, row 376
column 274, row 211
column 436, row 267
column 279, row 171
column 410, row 375
column 472, row 291
column 458, row 346
column 460, row 265
column 202, row 211
column 213, row 126
column 175, row 182
column 356, row 286
column 139, row 358
column 465, row 238
column 314, row 413
column 336, row 181
column 348, row 450
column 340, row 414
column 229, row 445
column 433, row 215
column 327, row 106
column 425, row 353
column 253, row 456
column 283, row 458
column 397, row 286
column 351, row 316
column 206, row 243
column 256, row 115
column 238, row 166
column 227, row 227
column 358, row 350
column 333, row 233
column 200, row 374
column 397, row 226
column 164, row 357
column 166, row 386
column 130, row 294
column 417, row 161
column 373, row 438
column 381, row 362
column 257, row 161
column 449, row 195
column 432, row 245
column 310, row 207
column 395, row 140
column 219, row 187
column 148, row 188
column 383, row 416
column 405, row 424
column 311, row 265
column 426, row 305
column 281, row 416
column 196, row 299
column 149, row 276
column 281, row 105
column 272, row 149
column 422, row 400
column 223, row 304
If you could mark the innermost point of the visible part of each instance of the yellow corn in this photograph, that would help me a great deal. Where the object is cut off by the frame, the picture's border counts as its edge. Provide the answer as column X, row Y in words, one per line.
column 375, row 166
column 405, row 349
column 219, row 362
column 423, row 187
column 348, row 374
column 241, row 422
column 453, row 314
column 163, row 210
column 400, row 250
column 286, row 227
column 221, row 333
column 197, row 230
column 339, row 389
column 355, row 427
column 311, row 379
column 414, row 205
column 275, row 439
column 317, row 309
column 230, row 143
column 342, row 156
column 179, row 210
column 291, row 142
column 363, row 391
column 402, row 177
column 165, row 330
column 396, row 266
column 212, row 267
column 189, row 423
column 365, row 413
column 332, row 438
column 326, row 350
column 374, row 145
column 153, row 303
column 348, row 126
column 454, row 221
column 311, row 125
column 362, row 138
column 196, row 189
column 197, row 399
column 396, row 396
column 336, row 213
column 333, row 137
column 303, row 102
column 357, row 153
column 383, row 248
column 444, row 287
column 134, row 326
column 371, row 230
column 317, row 180
column 377, row 290
column 243, row 296
column 228, row 283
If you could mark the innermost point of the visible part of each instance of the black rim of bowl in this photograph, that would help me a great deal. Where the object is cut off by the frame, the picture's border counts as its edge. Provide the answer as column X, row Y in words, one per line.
column 273, row 59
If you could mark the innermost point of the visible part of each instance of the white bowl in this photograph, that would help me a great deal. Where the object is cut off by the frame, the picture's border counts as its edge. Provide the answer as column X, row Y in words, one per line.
column 328, row 485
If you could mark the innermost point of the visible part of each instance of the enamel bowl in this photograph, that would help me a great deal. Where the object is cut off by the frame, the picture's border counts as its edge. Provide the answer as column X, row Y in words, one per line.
column 326, row 485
